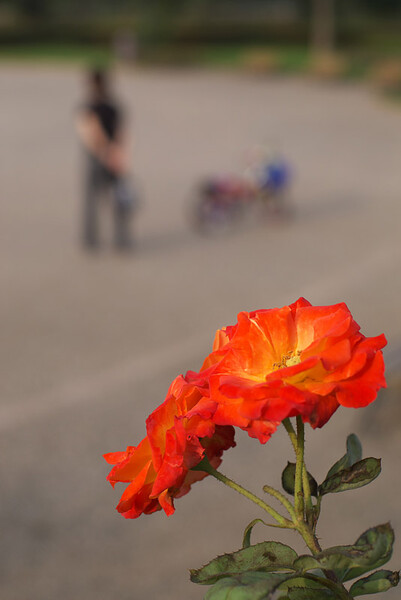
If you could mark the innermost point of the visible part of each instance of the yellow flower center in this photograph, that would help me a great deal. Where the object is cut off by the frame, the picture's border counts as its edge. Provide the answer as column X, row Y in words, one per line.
column 288, row 360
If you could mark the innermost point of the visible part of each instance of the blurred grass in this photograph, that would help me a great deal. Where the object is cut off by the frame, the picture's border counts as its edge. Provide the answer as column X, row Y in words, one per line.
column 57, row 53
column 261, row 59
column 288, row 58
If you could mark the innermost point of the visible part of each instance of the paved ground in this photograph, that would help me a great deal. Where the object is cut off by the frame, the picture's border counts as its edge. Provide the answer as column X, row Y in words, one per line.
column 90, row 343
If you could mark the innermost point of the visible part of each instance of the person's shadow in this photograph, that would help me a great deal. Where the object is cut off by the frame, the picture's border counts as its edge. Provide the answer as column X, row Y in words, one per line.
column 167, row 242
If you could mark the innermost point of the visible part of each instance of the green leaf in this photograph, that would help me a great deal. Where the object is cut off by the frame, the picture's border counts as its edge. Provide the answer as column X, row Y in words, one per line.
column 341, row 559
column 266, row 556
column 246, row 586
column 300, row 582
column 353, row 455
column 359, row 474
column 288, row 480
column 298, row 593
column 246, row 541
column 300, row 588
column 371, row 550
column 380, row 581
column 379, row 543
column 306, row 563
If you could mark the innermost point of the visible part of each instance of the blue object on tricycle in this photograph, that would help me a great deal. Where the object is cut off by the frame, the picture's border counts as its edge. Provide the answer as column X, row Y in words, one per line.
column 276, row 175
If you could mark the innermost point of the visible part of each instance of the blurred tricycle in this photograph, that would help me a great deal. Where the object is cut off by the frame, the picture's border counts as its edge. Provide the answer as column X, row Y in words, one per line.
column 220, row 202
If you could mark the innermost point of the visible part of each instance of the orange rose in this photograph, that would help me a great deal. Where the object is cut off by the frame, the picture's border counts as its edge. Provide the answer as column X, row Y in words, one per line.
column 180, row 433
column 297, row 360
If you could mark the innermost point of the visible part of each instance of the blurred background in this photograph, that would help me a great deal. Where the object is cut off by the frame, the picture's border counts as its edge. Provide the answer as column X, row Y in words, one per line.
column 92, row 340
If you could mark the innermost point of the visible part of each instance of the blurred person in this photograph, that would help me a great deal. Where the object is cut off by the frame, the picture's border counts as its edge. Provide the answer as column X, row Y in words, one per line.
column 101, row 129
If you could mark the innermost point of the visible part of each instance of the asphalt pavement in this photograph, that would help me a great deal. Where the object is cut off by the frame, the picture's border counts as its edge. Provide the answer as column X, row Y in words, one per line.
column 90, row 342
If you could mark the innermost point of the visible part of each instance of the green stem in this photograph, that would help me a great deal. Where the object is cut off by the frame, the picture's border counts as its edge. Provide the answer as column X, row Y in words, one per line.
column 306, row 528
column 281, row 498
column 307, row 495
column 305, row 479
column 317, row 512
column 309, row 538
column 314, row 546
column 291, row 432
column 207, row 467
column 299, row 495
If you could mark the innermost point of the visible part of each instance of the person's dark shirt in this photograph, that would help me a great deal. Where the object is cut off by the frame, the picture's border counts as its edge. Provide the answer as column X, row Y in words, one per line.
column 109, row 115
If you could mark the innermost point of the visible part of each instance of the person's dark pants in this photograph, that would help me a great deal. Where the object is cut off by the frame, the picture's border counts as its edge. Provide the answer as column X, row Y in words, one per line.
column 99, row 182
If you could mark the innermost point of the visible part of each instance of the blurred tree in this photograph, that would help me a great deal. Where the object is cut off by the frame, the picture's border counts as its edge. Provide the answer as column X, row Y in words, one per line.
column 323, row 25
column 382, row 7
column 33, row 8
